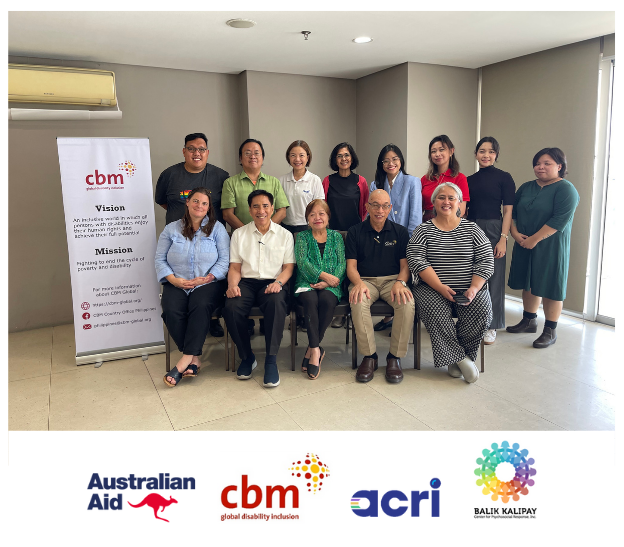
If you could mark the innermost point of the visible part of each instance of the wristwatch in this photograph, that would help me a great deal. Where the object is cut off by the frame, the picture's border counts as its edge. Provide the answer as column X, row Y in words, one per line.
column 505, row 236
column 402, row 282
column 279, row 283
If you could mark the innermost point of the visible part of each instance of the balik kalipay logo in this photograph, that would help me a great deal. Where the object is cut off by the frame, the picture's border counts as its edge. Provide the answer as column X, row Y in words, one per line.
column 505, row 472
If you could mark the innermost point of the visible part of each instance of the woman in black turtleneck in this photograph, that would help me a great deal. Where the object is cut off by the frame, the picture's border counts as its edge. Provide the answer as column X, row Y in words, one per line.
column 489, row 189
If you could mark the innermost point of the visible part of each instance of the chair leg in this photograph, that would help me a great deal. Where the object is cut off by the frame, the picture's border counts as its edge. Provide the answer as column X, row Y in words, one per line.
column 417, row 345
column 353, row 347
column 232, row 357
column 227, row 345
column 482, row 356
column 348, row 327
column 168, row 350
column 293, row 337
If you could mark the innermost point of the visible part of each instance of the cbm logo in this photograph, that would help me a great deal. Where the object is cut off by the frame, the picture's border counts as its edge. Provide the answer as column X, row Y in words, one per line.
column 415, row 499
column 231, row 501
column 100, row 179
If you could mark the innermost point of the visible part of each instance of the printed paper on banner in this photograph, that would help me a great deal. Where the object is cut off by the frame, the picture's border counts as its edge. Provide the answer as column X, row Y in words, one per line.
column 111, row 239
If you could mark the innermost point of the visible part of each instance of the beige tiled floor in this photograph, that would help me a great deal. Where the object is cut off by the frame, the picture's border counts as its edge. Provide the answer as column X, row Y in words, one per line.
column 569, row 386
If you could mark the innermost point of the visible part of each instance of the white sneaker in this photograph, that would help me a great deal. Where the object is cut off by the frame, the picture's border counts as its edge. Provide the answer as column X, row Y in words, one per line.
column 454, row 371
column 490, row 337
column 469, row 370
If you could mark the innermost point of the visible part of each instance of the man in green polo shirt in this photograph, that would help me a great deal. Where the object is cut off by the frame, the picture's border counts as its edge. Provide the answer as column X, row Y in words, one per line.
column 236, row 189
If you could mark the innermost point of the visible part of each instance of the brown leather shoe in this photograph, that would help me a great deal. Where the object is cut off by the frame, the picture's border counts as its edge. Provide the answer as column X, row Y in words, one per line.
column 525, row 325
column 547, row 338
column 394, row 374
column 366, row 370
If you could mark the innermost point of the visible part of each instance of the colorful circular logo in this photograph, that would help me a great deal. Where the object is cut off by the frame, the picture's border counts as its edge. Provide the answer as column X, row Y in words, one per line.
column 128, row 167
column 312, row 470
column 505, row 472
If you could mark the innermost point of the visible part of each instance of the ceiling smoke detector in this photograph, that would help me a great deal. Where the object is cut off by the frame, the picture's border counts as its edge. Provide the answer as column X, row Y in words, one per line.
column 362, row 40
column 240, row 23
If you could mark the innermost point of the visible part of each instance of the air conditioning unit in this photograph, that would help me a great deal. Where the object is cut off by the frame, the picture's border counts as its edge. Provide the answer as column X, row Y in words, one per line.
column 61, row 85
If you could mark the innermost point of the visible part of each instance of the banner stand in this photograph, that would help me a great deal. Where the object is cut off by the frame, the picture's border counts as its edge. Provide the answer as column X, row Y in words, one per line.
column 125, row 353
column 111, row 242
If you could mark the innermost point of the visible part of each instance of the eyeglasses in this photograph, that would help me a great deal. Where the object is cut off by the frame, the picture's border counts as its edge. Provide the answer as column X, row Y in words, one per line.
column 449, row 198
column 393, row 161
column 255, row 153
column 343, row 156
column 377, row 206
column 192, row 150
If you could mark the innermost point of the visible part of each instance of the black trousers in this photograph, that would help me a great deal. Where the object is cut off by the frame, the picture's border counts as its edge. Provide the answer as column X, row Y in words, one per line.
column 295, row 229
column 318, row 310
column 274, row 307
column 496, row 283
column 187, row 316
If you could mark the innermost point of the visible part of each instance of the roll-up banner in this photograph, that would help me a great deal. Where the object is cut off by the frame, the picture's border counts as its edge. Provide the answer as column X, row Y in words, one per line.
column 111, row 239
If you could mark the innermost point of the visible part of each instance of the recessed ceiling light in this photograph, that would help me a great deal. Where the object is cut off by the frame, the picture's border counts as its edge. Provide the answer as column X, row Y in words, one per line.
column 240, row 23
column 362, row 40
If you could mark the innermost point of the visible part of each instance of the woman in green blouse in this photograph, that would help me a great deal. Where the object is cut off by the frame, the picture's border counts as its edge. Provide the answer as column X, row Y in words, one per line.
column 321, row 266
column 543, row 211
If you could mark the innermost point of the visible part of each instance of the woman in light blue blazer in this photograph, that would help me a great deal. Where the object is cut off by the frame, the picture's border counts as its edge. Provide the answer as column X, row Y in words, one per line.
column 405, row 195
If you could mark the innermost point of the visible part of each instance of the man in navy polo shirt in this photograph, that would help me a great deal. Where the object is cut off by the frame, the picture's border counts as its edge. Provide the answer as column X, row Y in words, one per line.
column 175, row 183
column 377, row 268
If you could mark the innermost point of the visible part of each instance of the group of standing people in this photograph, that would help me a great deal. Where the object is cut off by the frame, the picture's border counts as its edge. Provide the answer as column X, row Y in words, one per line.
column 452, row 266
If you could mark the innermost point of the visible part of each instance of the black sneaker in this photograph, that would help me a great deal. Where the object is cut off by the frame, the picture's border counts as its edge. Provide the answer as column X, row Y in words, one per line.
column 216, row 329
column 271, row 375
column 245, row 369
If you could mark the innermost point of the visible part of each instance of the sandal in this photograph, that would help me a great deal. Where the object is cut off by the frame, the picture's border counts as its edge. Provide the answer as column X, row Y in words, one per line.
column 175, row 374
column 315, row 370
column 305, row 362
column 192, row 370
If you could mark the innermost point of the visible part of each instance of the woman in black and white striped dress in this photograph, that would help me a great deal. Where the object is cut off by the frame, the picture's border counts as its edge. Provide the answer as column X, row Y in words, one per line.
column 451, row 259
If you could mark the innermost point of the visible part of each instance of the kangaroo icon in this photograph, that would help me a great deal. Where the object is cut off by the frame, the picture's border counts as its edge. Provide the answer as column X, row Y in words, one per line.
column 155, row 501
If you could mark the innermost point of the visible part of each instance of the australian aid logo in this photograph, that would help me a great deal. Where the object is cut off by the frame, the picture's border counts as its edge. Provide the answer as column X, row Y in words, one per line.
column 265, row 497
column 100, row 179
column 107, row 494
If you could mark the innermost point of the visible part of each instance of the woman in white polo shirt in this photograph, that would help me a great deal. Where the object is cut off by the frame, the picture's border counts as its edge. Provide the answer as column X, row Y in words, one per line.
column 300, row 186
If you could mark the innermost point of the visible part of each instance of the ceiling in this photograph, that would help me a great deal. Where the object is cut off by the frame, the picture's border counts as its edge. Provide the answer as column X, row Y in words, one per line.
column 202, row 41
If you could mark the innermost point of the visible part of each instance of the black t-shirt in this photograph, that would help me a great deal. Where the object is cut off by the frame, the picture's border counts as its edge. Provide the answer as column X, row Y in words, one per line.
column 489, row 188
column 175, row 183
column 343, row 198
column 377, row 253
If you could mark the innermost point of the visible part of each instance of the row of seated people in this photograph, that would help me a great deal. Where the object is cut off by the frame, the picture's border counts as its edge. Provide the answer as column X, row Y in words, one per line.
column 449, row 259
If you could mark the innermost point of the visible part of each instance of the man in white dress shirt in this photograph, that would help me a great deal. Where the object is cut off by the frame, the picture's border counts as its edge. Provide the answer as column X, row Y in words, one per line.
column 262, row 260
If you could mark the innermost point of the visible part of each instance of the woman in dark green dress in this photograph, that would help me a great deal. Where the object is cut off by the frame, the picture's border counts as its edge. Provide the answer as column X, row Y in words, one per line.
column 542, row 213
